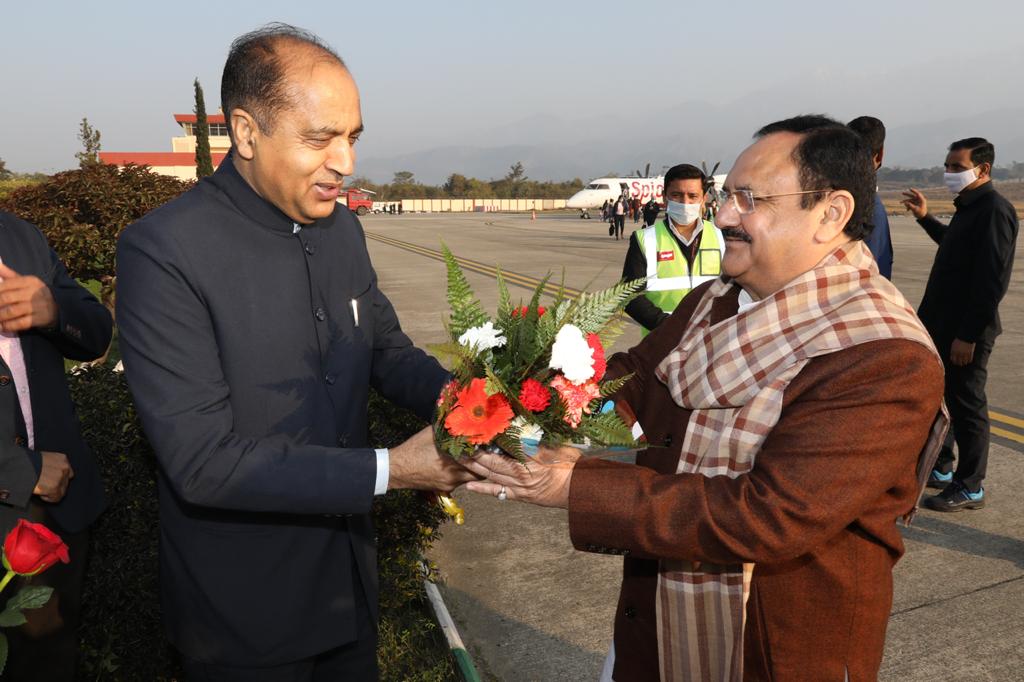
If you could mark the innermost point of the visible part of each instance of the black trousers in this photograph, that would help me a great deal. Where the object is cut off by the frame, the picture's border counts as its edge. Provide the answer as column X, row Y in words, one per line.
column 45, row 649
column 620, row 225
column 355, row 661
column 968, row 407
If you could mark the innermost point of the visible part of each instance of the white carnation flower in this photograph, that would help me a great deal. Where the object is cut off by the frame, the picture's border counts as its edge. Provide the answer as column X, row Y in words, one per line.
column 482, row 338
column 527, row 430
column 571, row 354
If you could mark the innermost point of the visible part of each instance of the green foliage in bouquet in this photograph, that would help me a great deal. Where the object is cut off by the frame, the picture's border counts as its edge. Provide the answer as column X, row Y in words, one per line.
column 531, row 372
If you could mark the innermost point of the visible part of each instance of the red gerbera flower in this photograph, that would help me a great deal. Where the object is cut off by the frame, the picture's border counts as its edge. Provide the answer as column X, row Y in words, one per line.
column 594, row 341
column 477, row 416
column 522, row 310
column 534, row 396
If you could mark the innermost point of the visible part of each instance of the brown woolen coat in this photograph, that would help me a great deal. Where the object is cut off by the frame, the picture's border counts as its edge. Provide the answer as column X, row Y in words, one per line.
column 817, row 514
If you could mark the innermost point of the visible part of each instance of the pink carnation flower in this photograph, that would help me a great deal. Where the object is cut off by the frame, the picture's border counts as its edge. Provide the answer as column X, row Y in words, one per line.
column 577, row 398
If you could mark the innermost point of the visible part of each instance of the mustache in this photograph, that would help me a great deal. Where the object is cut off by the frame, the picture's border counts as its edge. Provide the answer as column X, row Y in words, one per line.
column 733, row 233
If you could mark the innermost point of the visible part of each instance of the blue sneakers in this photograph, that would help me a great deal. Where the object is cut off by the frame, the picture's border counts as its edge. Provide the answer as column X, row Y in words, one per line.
column 937, row 479
column 956, row 497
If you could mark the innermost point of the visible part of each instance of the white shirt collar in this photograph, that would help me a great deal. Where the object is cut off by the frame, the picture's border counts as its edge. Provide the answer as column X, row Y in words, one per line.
column 746, row 301
column 696, row 231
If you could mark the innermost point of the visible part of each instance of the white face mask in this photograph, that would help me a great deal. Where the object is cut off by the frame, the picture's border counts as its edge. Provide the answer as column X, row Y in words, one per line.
column 683, row 214
column 956, row 182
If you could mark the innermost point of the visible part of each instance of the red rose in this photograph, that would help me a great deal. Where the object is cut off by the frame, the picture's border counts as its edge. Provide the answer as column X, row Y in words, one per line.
column 594, row 341
column 31, row 548
column 534, row 396
column 522, row 310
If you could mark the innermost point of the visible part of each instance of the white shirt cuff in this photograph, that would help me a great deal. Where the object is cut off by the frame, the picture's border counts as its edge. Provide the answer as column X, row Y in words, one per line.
column 383, row 470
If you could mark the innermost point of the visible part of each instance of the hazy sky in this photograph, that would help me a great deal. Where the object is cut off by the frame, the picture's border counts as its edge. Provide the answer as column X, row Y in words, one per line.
column 432, row 72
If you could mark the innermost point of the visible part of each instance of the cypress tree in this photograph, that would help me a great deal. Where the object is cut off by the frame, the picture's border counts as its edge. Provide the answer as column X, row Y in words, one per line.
column 204, row 160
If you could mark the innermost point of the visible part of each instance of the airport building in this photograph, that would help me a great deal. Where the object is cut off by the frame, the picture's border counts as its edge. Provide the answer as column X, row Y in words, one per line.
column 180, row 162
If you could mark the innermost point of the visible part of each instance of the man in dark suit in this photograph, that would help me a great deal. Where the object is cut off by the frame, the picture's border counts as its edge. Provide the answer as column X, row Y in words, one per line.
column 47, row 473
column 252, row 329
column 960, row 308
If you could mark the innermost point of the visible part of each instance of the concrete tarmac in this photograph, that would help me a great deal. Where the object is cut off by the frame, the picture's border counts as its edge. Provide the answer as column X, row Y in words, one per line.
column 531, row 608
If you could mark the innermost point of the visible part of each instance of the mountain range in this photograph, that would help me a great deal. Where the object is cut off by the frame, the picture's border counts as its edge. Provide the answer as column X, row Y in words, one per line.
column 925, row 107
column 554, row 148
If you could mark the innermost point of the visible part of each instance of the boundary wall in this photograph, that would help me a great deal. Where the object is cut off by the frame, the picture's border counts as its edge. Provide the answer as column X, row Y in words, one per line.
column 479, row 205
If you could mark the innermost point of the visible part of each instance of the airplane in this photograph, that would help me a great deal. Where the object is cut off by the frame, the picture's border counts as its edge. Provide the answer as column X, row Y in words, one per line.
column 599, row 190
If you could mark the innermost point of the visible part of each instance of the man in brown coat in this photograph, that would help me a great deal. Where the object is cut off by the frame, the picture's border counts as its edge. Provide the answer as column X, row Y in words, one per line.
column 792, row 410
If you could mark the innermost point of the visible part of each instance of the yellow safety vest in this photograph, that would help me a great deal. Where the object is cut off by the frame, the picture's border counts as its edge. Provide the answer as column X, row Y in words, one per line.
column 669, row 278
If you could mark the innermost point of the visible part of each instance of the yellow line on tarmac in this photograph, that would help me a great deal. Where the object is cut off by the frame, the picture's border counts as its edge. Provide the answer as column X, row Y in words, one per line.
column 1006, row 419
column 1006, row 434
column 478, row 267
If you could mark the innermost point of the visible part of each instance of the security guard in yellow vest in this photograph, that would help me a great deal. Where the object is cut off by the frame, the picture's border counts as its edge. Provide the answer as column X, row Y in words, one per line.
column 676, row 254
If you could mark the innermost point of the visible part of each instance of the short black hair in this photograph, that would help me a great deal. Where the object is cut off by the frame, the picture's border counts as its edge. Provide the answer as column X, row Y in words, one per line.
column 685, row 171
column 831, row 156
column 982, row 151
column 254, row 75
column 872, row 130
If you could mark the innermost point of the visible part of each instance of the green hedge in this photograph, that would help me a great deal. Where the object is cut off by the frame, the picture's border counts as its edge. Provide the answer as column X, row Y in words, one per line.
column 122, row 636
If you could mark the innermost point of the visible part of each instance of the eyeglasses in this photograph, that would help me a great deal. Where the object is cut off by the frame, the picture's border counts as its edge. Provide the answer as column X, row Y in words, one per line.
column 743, row 200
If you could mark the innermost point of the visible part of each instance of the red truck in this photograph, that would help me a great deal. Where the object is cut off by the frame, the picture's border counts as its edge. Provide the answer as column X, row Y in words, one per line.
column 358, row 200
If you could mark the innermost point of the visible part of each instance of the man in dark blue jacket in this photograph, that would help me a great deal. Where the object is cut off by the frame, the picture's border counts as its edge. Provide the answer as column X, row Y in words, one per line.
column 252, row 329
column 47, row 472
column 879, row 240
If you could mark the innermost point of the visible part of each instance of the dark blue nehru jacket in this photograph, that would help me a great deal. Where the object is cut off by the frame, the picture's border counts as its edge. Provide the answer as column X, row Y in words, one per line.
column 250, row 349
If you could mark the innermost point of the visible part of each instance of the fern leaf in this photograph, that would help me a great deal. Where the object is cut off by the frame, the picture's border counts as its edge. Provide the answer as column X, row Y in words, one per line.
column 606, row 430
column 594, row 310
column 466, row 310
column 612, row 386
column 510, row 443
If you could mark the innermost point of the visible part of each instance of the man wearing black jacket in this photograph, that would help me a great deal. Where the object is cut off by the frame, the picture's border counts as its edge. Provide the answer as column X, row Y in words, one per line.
column 47, row 472
column 252, row 329
column 960, row 308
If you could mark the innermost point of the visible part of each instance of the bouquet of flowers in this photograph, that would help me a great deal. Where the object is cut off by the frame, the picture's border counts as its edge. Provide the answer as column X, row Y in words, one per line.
column 532, row 374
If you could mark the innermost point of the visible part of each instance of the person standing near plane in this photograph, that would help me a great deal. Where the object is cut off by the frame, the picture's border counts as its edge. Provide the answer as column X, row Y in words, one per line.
column 960, row 309
column 677, row 254
column 618, row 212
column 651, row 210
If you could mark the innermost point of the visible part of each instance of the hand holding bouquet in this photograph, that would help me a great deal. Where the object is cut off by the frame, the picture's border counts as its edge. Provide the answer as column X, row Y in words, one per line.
column 532, row 374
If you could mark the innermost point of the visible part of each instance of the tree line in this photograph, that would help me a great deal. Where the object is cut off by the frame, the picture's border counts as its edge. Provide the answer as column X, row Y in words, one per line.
column 514, row 185
column 932, row 177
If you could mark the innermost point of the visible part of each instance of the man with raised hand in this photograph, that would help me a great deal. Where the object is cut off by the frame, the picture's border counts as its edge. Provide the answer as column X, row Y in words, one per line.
column 252, row 330
column 960, row 308
column 791, row 409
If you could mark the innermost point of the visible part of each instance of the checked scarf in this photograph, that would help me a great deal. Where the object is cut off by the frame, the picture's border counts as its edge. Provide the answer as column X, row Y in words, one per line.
column 732, row 375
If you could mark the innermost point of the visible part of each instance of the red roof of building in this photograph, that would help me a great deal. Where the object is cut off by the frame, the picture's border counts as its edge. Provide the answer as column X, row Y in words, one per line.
column 191, row 118
column 155, row 158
